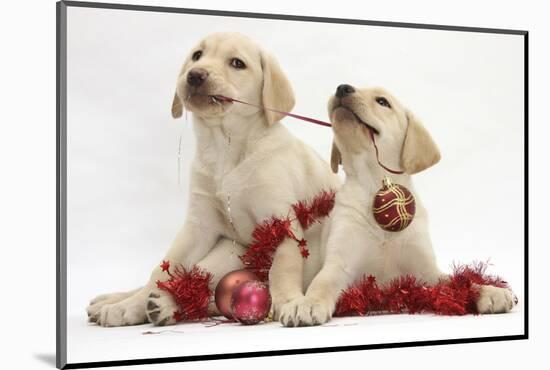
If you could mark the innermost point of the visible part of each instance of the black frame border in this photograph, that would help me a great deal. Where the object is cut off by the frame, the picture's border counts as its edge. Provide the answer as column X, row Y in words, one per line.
column 61, row 190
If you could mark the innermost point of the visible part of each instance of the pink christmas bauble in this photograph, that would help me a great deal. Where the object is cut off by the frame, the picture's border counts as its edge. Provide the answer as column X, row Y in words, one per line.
column 225, row 288
column 250, row 302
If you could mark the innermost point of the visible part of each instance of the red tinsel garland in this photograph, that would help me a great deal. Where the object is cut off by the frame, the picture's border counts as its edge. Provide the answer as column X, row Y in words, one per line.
column 190, row 290
column 456, row 295
column 268, row 235
column 307, row 213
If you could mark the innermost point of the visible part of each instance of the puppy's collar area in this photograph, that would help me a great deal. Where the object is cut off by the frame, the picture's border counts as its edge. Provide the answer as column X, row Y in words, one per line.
column 372, row 130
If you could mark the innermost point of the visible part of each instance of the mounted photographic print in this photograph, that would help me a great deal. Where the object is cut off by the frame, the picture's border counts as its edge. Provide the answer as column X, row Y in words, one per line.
column 238, row 184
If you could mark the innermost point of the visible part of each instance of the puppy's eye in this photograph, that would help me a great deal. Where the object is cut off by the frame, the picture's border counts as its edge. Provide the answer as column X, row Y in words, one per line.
column 196, row 55
column 383, row 102
column 237, row 63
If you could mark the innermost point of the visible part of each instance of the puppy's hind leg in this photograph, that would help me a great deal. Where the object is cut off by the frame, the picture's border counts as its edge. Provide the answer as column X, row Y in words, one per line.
column 417, row 258
column 116, row 296
column 101, row 300
column 491, row 299
column 129, row 311
column 223, row 258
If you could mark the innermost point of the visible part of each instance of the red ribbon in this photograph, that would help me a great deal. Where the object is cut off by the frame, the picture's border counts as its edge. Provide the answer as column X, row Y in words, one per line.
column 303, row 118
column 312, row 120
column 371, row 134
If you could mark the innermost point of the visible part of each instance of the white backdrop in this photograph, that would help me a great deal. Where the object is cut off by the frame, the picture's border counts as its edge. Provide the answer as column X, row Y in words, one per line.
column 124, row 201
column 28, row 163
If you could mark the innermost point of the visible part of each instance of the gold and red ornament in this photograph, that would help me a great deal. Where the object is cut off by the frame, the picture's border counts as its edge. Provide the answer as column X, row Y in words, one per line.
column 250, row 302
column 226, row 286
column 393, row 206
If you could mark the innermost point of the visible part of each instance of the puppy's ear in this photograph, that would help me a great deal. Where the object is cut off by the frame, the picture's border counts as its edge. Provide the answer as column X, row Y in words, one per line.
column 335, row 158
column 177, row 106
column 276, row 92
column 419, row 149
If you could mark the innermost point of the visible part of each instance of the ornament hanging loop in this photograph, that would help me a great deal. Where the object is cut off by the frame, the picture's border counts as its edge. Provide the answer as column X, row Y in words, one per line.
column 386, row 181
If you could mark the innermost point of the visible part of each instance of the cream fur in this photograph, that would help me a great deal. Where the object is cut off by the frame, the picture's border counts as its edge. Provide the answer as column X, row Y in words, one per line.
column 263, row 171
column 353, row 244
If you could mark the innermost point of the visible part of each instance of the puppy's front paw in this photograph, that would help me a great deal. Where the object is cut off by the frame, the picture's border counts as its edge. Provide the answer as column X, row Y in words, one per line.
column 305, row 312
column 278, row 301
column 315, row 312
column 289, row 311
column 495, row 300
column 160, row 308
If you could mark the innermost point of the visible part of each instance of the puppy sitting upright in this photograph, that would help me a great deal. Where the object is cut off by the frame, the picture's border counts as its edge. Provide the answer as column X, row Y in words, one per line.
column 353, row 243
column 247, row 168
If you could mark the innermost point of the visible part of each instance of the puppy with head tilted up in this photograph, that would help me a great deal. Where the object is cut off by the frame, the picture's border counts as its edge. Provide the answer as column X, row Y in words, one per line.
column 353, row 243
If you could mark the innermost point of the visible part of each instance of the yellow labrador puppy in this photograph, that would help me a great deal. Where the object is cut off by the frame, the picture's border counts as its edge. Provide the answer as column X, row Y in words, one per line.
column 247, row 168
column 353, row 244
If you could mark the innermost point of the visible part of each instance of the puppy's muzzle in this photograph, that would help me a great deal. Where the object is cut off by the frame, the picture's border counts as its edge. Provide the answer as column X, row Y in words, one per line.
column 196, row 77
column 344, row 90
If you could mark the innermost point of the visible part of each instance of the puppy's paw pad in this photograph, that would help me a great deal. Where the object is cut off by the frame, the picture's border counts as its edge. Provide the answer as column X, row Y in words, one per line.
column 495, row 300
column 160, row 309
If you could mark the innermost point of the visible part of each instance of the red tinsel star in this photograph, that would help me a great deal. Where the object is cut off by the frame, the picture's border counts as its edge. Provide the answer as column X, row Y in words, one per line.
column 165, row 266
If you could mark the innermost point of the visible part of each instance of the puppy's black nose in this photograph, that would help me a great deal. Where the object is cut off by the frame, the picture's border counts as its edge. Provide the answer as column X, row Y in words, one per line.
column 196, row 77
column 344, row 90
